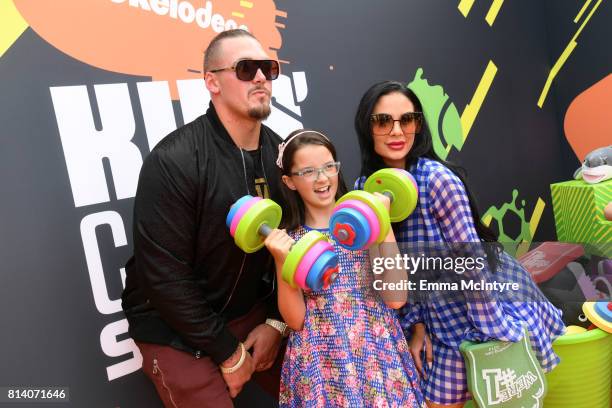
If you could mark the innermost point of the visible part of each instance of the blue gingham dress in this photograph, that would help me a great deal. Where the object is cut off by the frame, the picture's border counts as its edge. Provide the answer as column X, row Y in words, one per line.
column 443, row 214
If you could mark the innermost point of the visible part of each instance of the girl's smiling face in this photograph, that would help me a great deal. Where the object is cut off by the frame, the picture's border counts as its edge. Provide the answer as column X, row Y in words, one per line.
column 317, row 188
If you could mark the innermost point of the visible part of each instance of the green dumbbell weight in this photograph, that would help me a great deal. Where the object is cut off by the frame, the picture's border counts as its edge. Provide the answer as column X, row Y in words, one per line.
column 311, row 259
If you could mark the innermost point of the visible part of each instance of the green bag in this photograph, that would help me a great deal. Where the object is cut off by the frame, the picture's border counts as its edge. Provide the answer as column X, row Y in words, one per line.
column 504, row 374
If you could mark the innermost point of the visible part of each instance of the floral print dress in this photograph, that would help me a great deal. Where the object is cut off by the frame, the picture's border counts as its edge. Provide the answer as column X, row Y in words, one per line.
column 351, row 351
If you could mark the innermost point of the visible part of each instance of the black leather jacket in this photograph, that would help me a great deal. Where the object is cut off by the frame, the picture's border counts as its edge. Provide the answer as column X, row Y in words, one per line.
column 187, row 277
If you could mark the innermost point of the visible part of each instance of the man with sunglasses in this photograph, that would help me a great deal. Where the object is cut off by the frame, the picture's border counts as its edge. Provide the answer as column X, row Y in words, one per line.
column 202, row 312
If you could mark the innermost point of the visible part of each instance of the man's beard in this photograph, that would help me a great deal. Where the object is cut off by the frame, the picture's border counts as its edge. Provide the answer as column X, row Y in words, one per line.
column 260, row 112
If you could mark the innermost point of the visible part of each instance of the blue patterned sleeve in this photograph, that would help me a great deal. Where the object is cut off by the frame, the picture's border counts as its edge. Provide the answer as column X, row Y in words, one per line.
column 359, row 183
column 451, row 209
column 410, row 314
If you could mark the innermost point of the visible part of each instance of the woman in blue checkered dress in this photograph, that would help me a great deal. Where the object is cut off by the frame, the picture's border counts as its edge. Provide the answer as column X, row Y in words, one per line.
column 392, row 133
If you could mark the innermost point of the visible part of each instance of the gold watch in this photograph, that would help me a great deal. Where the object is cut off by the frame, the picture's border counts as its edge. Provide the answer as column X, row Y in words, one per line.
column 278, row 325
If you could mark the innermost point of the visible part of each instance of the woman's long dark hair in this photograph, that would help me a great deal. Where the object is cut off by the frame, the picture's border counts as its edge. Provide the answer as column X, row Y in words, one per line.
column 422, row 147
column 295, row 214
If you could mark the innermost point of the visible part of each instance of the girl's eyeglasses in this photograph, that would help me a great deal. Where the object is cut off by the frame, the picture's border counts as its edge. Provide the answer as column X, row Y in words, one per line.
column 312, row 173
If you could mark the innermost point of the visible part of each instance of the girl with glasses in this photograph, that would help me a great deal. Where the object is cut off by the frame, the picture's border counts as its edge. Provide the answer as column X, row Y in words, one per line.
column 392, row 133
column 347, row 348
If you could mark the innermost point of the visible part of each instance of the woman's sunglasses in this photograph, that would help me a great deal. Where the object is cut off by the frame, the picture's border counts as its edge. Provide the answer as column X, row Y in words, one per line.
column 247, row 69
column 410, row 123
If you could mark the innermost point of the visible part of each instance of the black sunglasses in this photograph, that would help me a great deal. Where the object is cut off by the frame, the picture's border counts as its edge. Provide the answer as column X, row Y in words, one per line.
column 247, row 69
column 410, row 123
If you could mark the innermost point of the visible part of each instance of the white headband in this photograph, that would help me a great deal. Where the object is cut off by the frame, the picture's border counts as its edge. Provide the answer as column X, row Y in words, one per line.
column 282, row 146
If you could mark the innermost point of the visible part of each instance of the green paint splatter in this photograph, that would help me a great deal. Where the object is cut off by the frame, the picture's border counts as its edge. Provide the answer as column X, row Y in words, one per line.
column 510, row 244
column 436, row 103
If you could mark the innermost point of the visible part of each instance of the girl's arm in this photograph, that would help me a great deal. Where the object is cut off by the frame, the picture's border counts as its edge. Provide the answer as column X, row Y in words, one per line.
column 388, row 249
column 290, row 300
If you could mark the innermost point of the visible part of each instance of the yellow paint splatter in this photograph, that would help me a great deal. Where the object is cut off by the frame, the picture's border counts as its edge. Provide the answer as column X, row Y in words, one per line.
column 523, row 247
column 493, row 11
column 12, row 25
column 465, row 6
column 536, row 216
column 582, row 10
column 471, row 109
column 564, row 56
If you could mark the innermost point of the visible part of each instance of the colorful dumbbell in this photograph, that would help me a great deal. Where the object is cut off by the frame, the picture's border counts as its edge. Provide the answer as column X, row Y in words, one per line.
column 360, row 219
column 600, row 314
column 312, row 263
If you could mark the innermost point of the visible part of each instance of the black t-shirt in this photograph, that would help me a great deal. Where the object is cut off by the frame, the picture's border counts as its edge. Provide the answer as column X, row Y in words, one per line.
column 261, row 185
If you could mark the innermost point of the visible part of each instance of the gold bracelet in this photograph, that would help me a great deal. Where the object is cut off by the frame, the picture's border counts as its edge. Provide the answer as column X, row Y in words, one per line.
column 229, row 370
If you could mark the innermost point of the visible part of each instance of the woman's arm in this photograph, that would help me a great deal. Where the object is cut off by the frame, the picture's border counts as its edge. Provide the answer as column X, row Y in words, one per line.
column 450, row 205
column 290, row 300
column 419, row 341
